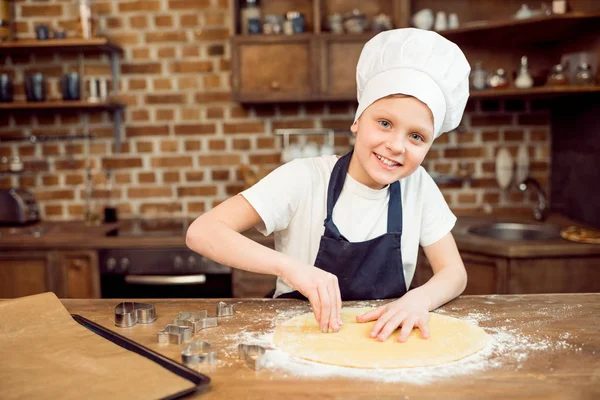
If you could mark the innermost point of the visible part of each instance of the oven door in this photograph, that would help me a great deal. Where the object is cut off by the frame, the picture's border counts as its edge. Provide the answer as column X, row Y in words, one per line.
column 161, row 273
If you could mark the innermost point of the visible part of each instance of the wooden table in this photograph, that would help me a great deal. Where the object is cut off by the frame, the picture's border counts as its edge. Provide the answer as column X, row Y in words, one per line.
column 561, row 359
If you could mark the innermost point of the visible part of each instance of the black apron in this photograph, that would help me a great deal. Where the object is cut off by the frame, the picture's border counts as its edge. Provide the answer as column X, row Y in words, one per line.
column 365, row 270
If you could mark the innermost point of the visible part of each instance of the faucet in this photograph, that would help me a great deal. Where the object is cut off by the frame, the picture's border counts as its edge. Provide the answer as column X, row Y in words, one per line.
column 541, row 209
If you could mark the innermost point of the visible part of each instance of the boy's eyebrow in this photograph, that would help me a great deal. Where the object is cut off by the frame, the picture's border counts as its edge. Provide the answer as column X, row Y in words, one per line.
column 413, row 126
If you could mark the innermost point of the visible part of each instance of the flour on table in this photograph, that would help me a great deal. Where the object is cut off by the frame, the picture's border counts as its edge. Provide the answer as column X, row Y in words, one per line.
column 507, row 347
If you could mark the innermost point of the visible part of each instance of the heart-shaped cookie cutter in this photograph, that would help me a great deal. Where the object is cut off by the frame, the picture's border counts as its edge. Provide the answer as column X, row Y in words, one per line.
column 127, row 314
column 175, row 334
column 198, row 352
column 253, row 354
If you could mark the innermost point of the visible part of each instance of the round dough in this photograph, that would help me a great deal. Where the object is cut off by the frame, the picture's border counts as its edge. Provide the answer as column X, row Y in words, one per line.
column 450, row 339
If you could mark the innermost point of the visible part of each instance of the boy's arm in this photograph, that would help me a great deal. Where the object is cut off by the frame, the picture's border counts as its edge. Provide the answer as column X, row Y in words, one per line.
column 216, row 235
column 450, row 277
column 412, row 309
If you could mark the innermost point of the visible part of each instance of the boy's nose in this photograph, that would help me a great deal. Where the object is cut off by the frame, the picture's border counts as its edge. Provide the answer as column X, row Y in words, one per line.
column 396, row 145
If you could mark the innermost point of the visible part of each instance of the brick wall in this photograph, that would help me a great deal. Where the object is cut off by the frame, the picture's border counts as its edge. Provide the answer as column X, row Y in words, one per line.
column 186, row 141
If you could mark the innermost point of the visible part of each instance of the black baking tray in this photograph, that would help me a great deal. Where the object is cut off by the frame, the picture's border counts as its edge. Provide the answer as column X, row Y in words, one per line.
column 201, row 381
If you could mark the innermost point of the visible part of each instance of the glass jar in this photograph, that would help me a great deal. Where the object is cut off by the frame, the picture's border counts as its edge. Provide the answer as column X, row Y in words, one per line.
column 557, row 76
column 251, row 18
column 498, row 79
column 584, row 75
column 478, row 77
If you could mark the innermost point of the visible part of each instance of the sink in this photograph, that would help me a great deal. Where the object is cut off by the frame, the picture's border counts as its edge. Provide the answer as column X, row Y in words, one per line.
column 515, row 231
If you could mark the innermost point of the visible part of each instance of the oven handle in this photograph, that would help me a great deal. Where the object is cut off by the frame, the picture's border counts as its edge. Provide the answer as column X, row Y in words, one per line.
column 165, row 280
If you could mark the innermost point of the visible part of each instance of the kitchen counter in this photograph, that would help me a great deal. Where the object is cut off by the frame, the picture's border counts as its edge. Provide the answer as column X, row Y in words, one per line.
column 541, row 346
column 76, row 235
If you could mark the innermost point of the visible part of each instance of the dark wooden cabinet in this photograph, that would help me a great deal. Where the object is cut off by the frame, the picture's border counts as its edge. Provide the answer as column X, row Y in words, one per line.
column 320, row 66
column 500, row 275
column 26, row 273
column 268, row 70
column 339, row 56
column 69, row 274
column 79, row 274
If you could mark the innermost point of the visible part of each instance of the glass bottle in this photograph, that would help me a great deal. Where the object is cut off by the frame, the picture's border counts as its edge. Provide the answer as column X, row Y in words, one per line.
column 110, row 209
column 85, row 16
column 250, row 18
column 524, row 79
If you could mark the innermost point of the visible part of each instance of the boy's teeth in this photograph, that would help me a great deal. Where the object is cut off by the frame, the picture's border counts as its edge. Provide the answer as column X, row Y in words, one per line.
column 386, row 161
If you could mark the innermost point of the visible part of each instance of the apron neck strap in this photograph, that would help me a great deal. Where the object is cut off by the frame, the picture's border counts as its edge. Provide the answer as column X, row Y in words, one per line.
column 334, row 189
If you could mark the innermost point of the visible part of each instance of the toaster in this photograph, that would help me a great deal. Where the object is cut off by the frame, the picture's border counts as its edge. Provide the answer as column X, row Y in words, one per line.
column 18, row 207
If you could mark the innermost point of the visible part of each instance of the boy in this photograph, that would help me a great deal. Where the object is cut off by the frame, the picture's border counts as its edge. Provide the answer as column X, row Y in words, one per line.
column 378, row 204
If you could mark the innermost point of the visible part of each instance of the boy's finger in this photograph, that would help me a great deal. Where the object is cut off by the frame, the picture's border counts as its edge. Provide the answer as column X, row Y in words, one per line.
column 424, row 328
column 371, row 315
column 338, row 296
column 333, row 316
column 325, row 308
column 316, row 306
column 407, row 327
column 376, row 330
column 390, row 326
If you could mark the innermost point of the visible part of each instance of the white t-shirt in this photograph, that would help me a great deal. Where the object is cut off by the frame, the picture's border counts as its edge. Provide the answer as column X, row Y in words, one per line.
column 292, row 202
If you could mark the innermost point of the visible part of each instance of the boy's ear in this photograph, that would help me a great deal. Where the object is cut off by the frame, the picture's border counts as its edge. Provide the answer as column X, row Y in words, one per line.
column 354, row 127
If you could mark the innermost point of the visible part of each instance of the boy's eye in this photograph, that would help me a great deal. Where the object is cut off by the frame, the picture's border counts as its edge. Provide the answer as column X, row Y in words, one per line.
column 385, row 124
column 416, row 136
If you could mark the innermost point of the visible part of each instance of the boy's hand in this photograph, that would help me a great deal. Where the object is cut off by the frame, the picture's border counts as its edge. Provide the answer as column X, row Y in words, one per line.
column 408, row 312
column 323, row 291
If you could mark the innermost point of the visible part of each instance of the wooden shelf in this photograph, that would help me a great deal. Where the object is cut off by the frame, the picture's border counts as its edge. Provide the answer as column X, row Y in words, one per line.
column 543, row 29
column 542, row 91
column 26, row 46
column 61, row 105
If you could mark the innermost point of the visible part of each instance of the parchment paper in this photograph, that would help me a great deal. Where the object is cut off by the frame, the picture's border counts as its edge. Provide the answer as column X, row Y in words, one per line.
column 44, row 353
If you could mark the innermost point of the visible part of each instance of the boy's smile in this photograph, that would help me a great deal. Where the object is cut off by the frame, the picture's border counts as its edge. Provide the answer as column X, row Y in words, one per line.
column 393, row 135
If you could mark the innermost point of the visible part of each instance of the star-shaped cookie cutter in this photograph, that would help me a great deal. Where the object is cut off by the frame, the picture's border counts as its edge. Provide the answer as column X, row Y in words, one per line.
column 198, row 352
column 253, row 354
column 127, row 314
column 196, row 320
column 224, row 309
column 175, row 334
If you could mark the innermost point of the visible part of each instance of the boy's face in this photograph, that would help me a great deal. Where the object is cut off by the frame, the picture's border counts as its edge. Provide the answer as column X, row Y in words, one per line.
column 393, row 135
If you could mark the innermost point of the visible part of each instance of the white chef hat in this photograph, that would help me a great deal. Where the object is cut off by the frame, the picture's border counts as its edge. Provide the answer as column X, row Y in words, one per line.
column 417, row 63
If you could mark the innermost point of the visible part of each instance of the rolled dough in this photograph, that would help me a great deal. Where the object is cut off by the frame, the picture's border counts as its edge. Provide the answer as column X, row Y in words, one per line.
column 450, row 339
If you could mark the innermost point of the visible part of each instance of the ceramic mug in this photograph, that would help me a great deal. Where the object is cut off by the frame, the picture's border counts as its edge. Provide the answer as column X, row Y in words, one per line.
column 35, row 87
column 6, row 89
column 423, row 19
column 71, row 86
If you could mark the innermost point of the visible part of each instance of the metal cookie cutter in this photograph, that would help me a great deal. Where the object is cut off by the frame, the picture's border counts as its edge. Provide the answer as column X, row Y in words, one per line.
column 198, row 352
column 224, row 309
column 195, row 320
column 175, row 334
column 128, row 314
column 253, row 354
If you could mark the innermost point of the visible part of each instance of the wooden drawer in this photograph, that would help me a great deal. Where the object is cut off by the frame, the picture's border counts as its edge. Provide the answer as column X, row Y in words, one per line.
column 274, row 70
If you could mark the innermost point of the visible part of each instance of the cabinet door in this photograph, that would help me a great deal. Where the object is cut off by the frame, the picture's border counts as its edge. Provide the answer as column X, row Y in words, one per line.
column 265, row 70
column 251, row 285
column 25, row 273
column 555, row 275
column 79, row 274
column 486, row 275
column 339, row 56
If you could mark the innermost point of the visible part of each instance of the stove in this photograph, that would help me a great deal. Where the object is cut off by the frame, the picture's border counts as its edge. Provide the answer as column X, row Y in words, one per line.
column 140, row 271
